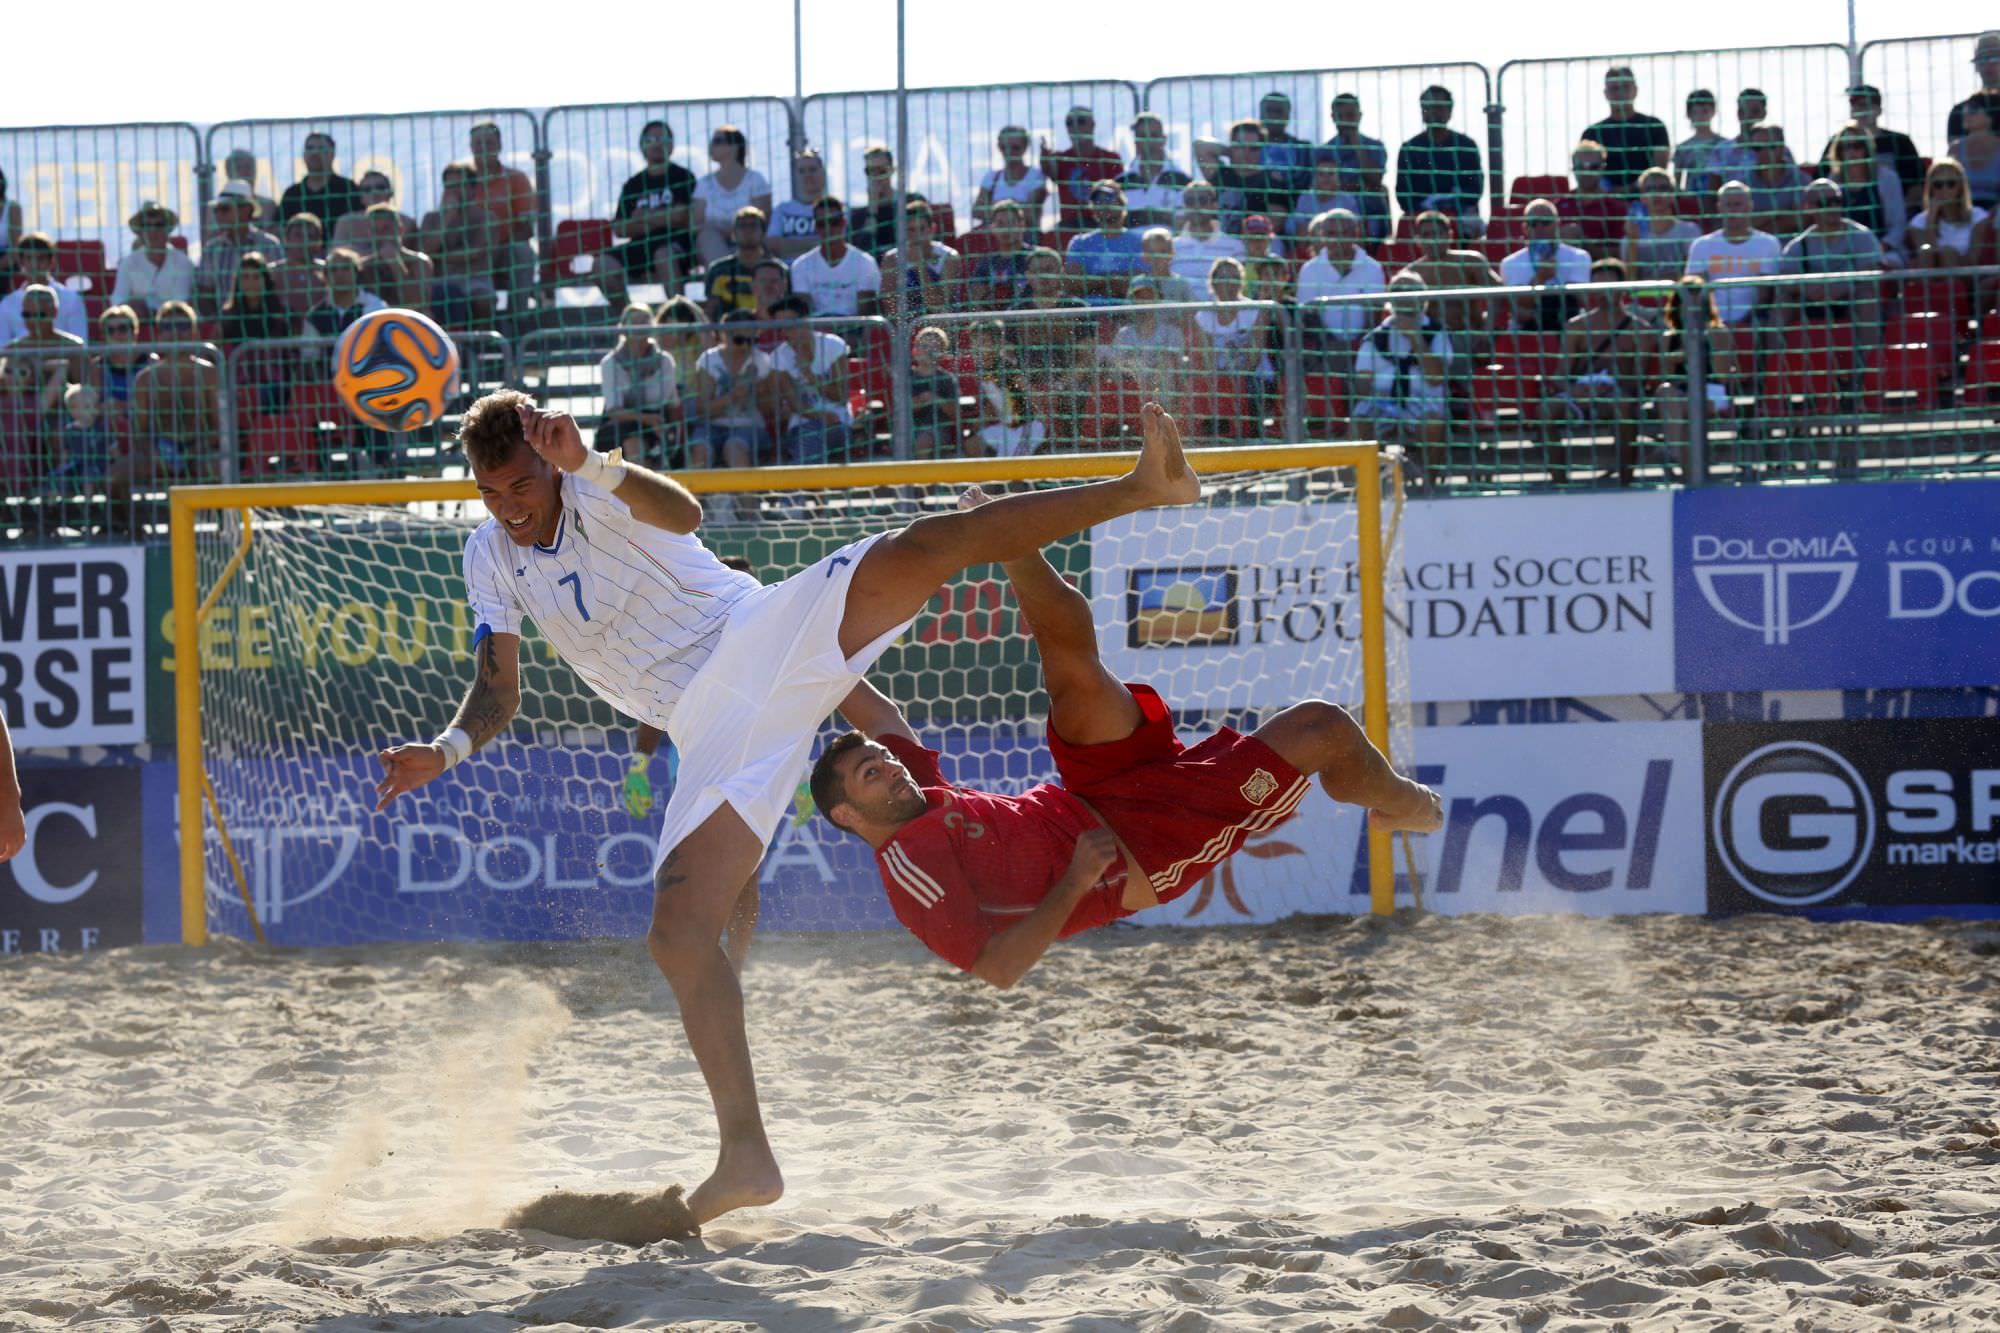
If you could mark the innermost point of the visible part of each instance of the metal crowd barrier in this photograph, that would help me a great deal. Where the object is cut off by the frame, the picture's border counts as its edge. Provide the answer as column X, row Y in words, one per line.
column 1922, row 79
column 593, row 150
column 81, row 184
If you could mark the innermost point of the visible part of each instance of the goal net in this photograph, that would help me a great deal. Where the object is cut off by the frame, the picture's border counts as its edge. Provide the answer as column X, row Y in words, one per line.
column 333, row 623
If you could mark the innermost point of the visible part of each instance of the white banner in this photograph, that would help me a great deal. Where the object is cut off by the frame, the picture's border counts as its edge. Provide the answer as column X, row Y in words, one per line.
column 72, row 646
column 1259, row 606
column 1590, row 819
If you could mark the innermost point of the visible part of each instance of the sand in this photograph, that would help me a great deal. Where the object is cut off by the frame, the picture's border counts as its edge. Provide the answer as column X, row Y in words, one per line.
column 1474, row 1123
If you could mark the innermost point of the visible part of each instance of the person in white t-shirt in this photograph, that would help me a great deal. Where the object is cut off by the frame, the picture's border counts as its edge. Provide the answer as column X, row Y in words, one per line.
column 1013, row 179
column 1738, row 250
column 721, row 193
column 794, row 228
column 1341, row 268
column 602, row 556
column 1545, row 261
column 1202, row 240
column 836, row 277
column 811, row 370
column 1402, row 372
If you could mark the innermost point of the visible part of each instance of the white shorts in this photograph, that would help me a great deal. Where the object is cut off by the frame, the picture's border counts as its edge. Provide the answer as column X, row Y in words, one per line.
column 744, row 727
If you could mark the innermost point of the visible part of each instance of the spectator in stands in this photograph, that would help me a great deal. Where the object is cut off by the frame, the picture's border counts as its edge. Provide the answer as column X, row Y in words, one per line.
column 1657, row 237
column 1777, row 186
column 1013, row 179
column 738, row 396
column 241, row 165
column 322, row 191
column 461, row 238
column 1978, row 149
column 1267, row 275
column 1244, row 185
column 1469, row 320
column 175, row 434
column 917, row 287
column 233, row 236
column 1076, row 168
column 39, row 311
column 1440, row 168
column 1047, row 286
column 686, row 339
column 1950, row 232
column 1402, row 370
column 1737, row 158
column 1833, row 244
column 1736, row 250
column 1151, row 347
column 1870, row 191
column 1630, row 139
column 834, row 277
column 392, row 270
column 155, row 271
column 35, row 263
column 641, row 387
column 254, row 313
column 1545, row 261
column 344, row 301
column 1286, row 157
column 723, row 194
column 770, row 288
column 1156, row 248
column 1232, row 339
column 996, row 276
column 1202, row 240
column 1609, row 347
column 810, row 367
column 1593, row 212
column 1152, row 185
column 1341, row 268
column 1007, row 427
column 30, row 402
column 1356, row 184
column 933, row 396
column 872, row 225
column 10, row 227
column 1694, row 156
column 1986, row 61
column 728, row 279
column 300, row 273
column 355, row 231
column 653, row 223
column 1101, row 262
column 120, row 357
column 508, row 196
column 1864, row 108
column 83, row 445
column 793, row 228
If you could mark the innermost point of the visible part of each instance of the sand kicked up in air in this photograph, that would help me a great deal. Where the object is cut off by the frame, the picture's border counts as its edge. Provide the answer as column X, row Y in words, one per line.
column 1470, row 1123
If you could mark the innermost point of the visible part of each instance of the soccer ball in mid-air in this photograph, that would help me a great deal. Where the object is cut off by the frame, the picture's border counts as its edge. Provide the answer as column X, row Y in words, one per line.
column 396, row 369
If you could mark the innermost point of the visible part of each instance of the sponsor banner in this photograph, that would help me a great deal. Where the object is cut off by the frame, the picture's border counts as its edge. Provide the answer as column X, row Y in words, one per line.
column 1594, row 820
column 1880, row 818
column 72, row 626
column 1833, row 587
column 75, row 884
column 1505, row 598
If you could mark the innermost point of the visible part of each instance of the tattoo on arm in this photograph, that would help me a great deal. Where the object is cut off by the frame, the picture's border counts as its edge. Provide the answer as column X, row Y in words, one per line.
column 488, row 706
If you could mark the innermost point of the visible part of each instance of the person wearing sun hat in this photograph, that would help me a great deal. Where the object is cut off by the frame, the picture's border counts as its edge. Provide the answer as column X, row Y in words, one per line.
column 155, row 272
column 233, row 234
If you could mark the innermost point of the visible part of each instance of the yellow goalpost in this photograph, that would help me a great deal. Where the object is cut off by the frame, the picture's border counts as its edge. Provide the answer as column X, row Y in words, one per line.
column 191, row 604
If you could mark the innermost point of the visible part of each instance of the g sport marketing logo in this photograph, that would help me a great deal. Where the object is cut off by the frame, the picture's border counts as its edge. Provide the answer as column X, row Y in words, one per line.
column 1793, row 823
column 1871, row 585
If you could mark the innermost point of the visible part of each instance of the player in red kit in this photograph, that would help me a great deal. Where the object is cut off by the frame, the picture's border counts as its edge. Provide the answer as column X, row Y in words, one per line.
column 989, row 881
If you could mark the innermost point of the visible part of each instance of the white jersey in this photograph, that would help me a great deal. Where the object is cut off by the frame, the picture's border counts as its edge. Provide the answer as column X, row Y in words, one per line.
column 635, row 610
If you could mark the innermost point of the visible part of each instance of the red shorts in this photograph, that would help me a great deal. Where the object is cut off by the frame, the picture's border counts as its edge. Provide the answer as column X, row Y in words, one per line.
column 1180, row 810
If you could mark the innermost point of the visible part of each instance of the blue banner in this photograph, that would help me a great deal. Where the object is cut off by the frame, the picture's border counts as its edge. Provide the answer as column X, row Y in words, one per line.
column 1837, row 587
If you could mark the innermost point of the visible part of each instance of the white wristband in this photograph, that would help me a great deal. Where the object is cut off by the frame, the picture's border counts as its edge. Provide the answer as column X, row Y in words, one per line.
column 606, row 470
column 456, row 744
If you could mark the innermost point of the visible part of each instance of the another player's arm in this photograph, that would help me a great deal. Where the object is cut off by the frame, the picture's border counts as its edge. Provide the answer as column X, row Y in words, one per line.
column 654, row 498
column 489, row 705
column 638, row 784
column 874, row 714
column 13, row 831
column 1006, row 958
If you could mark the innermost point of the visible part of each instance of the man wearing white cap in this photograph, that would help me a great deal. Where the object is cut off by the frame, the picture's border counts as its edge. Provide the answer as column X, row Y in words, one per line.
column 234, row 234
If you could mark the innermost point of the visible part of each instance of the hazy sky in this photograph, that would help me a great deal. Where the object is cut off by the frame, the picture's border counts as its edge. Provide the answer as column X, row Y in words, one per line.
column 174, row 62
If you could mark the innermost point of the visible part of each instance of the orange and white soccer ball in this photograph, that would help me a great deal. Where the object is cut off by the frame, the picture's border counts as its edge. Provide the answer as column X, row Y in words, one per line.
column 396, row 369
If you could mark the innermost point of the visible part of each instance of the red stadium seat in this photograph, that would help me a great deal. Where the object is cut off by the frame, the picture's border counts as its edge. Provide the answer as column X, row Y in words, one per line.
column 1527, row 189
column 1512, row 379
column 1938, row 294
column 1982, row 373
column 1917, row 356
column 574, row 239
column 1326, row 405
column 282, row 445
column 1813, row 373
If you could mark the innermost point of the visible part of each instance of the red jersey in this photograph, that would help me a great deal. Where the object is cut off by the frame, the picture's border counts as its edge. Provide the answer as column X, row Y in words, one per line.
column 978, row 861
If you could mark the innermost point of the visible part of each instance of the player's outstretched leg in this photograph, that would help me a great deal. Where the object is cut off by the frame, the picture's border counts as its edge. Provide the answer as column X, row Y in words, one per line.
column 1322, row 739
column 1087, row 704
column 695, row 892
column 903, row 570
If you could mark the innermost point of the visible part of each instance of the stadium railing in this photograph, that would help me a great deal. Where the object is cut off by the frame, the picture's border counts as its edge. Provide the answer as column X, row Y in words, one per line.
column 1922, row 79
column 1805, row 88
column 81, row 184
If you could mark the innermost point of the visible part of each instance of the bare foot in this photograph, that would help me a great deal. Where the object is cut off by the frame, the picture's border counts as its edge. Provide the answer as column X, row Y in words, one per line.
column 1423, row 813
column 1162, row 471
column 743, row 1178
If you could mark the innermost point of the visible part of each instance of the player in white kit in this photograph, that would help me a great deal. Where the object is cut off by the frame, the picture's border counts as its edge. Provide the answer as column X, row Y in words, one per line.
column 600, row 554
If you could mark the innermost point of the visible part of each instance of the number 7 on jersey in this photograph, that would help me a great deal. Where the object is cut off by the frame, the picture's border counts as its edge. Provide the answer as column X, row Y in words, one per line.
column 575, row 582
